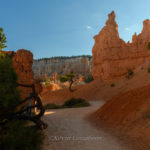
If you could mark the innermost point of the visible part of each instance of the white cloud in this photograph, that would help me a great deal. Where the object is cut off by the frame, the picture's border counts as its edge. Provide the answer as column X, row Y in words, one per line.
column 89, row 27
column 127, row 29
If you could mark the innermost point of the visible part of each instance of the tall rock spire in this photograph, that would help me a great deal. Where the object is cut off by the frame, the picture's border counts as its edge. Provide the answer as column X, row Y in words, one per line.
column 112, row 57
column 111, row 20
column 109, row 35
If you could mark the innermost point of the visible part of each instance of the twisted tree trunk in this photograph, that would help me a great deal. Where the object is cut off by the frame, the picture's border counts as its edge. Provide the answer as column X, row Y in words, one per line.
column 21, row 114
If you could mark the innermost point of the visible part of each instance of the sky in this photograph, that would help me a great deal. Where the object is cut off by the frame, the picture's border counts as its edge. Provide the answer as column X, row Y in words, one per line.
column 66, row 27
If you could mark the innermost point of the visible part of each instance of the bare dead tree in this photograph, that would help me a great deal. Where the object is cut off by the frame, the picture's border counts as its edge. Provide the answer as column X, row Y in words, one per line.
column 21, row 114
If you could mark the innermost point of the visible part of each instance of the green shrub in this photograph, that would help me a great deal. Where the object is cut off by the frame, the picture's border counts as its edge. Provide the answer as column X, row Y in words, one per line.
column 71, row 103
column 52, row 106
column 47, row 83
column 130, row 73
column 88, row 78
column 63, row 79
column 148, row 46
column 146, row 114
column 148, row 70
column 75, row 102
column 112, row 85
column 17, row 136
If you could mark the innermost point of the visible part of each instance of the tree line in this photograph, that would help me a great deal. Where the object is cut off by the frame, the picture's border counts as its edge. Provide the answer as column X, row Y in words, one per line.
column 64, row 57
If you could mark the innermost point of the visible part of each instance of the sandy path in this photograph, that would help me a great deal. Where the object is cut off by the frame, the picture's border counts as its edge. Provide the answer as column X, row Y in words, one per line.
column 69, row 130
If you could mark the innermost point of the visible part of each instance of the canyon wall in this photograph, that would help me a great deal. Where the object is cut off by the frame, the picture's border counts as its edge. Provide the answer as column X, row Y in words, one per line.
column 112, row 57
column 79, row 65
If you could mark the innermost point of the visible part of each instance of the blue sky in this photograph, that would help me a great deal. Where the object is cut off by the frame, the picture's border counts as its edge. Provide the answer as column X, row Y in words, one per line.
column 66, row 27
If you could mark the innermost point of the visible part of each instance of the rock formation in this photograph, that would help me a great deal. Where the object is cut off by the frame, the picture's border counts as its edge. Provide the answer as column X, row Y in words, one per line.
column 22, row 63
column 79, row 65
column 112, row 57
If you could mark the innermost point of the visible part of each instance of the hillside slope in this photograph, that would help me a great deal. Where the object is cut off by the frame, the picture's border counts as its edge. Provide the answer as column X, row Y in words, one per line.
column 129, row 115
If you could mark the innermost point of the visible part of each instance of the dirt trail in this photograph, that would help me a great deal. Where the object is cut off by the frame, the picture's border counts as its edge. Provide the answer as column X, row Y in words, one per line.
column 69, row 130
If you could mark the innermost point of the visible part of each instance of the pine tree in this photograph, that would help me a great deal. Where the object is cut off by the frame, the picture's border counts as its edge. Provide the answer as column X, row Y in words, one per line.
column 70, row 78
column 14, row 133
column 9, row 93
column 2, row 39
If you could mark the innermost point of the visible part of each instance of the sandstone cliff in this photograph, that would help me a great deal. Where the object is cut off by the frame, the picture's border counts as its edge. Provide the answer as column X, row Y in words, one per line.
column 79, row 65
column 112, row 57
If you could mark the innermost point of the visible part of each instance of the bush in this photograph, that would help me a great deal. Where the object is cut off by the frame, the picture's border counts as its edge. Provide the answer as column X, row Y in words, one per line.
column 146, row 114
column 88, row 78
column 130, row 73
column 112, row 85
column 148, row 46
column 63, row 79
column 47, row 83
column 148, row 70
column 52, row 106
column 17, row 136
column 71, row 103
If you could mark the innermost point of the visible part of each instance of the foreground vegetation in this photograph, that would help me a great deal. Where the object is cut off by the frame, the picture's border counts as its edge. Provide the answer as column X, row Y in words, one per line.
column 71, row 103
column 15, row 133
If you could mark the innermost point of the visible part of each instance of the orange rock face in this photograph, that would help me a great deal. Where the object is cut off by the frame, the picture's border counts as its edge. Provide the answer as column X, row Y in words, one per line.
column 22, row 62
column 112, row 57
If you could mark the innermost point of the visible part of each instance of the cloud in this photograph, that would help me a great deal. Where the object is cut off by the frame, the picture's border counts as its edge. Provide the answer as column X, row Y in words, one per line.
column 89, row 27
column 127, row 29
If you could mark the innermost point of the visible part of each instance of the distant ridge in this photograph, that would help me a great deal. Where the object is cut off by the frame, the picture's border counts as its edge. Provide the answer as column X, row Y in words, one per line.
column 81, row 65
column 64, row 57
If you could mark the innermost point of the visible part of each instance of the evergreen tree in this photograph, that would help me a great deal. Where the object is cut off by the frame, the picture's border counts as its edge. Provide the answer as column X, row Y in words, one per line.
column 9, row 93
column 2, row 39
column 70, row 78
column 14, row 134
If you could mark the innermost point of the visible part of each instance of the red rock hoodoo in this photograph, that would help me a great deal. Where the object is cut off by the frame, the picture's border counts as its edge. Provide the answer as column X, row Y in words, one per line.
column 22, row 63
column 112, row 57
